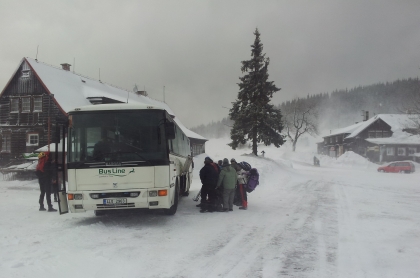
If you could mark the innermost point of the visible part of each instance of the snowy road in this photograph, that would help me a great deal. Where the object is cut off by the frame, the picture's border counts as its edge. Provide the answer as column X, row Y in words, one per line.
column 302, row 221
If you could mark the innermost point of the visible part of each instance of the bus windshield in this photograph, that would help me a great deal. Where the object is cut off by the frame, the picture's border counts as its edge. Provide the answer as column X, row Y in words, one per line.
column 118, row 136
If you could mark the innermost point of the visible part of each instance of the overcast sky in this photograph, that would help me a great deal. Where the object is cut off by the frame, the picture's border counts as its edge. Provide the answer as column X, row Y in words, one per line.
column 194, row 48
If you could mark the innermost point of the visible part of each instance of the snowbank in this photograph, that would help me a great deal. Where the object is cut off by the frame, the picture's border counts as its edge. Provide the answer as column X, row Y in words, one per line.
column 347, row 160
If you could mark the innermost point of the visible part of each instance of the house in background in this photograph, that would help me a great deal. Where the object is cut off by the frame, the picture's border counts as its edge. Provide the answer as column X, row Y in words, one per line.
column 382, row 138
column 38, row 97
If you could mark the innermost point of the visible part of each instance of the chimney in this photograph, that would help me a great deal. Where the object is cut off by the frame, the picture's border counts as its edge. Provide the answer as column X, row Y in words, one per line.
column 367, row 115
column 66, row 66
column 142, row 93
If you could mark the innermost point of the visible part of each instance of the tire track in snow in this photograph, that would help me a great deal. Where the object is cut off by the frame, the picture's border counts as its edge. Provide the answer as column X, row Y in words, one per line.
column 257, row 251
column 313, row 252
column 348, row 237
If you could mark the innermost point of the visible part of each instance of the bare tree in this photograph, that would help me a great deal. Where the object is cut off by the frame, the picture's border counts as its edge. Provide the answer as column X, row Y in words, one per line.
column 300, row 117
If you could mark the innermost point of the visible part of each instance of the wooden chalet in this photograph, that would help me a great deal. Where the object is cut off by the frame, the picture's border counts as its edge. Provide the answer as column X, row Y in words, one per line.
column 38, row 97
column 382, row 138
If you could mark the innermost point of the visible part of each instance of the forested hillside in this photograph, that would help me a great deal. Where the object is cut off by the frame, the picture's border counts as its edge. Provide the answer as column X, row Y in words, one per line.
column 217, row 129
column 343, row 107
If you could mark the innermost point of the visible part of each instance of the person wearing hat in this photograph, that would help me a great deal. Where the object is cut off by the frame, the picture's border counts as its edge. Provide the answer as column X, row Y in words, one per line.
column 227, row 180
column 220, row 164
column 44, row 174
column 208, row 177
column 235, row 165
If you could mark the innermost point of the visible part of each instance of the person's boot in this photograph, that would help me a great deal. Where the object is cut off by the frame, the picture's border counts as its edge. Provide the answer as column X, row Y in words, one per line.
column 55, row 199
column 41, row 208
column 50, row 209
column 244, row 208
column 199, row 205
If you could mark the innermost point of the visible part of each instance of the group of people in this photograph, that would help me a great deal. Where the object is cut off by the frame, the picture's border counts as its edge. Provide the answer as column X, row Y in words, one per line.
column 222, row 181
column 47, row 182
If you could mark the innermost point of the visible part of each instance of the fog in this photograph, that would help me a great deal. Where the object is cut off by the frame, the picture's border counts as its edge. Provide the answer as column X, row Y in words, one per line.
column 188, row 53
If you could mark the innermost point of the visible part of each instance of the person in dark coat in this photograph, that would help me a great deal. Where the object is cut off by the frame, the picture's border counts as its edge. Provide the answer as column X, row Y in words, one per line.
column 208, row 177
column 44, row 174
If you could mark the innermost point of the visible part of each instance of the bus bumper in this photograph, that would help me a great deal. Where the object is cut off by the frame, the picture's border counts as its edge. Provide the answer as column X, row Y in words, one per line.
column 151, row 198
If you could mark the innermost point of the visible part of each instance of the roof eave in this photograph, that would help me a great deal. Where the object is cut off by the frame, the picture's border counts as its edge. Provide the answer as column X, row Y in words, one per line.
column 46, row 88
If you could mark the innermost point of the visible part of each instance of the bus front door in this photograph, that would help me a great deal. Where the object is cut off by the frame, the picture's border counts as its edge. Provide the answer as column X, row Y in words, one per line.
column 61, row 169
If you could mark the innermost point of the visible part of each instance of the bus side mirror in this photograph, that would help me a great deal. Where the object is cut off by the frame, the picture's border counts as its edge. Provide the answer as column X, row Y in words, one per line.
column 170, row 130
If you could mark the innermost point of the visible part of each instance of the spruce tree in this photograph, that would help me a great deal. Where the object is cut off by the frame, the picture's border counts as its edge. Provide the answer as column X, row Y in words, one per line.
column 255, row 119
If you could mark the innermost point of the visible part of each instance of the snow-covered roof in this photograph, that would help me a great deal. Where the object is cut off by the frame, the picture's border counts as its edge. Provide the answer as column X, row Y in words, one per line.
column 52, row 147
column 30, row 165
column 72, row 90
column 403, row 138
column 345, row 130
column 397, row 122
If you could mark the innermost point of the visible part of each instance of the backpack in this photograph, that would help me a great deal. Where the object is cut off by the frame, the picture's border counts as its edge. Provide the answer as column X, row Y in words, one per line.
column 253, row 180
column 245, row 165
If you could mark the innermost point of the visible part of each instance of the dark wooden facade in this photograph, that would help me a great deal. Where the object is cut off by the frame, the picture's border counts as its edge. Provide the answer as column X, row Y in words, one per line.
column 197, row 146
column 28, row 115
column 337, row 144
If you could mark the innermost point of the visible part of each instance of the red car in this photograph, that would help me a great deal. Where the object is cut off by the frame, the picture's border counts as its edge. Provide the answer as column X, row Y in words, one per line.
column 398, row 167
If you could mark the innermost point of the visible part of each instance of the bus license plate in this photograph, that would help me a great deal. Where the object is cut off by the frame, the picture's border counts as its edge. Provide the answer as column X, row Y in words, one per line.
column 115, row 201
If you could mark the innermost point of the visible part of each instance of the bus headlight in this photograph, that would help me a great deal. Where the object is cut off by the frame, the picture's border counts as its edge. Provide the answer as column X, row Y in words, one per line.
column 152, row 193
column 74, row 197
column 78, row 196
column 94, row 195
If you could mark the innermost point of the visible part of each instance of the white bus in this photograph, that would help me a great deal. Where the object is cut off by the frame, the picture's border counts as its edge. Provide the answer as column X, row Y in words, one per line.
column 125, row 156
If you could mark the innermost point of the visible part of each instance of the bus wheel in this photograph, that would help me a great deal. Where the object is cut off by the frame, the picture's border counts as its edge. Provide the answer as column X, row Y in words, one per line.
column 174, row 207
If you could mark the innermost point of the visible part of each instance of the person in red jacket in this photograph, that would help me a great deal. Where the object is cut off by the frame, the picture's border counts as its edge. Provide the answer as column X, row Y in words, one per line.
column 44, row 174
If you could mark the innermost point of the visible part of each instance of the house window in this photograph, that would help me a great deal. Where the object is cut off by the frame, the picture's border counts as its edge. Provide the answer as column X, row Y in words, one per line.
column 386, row 134
column 32, row 139
column 25, row 73
column 37, row 104
column 378, row 134
column 390, row 151
column 412, row 151
column 372, row 134
column 14, row 105
column 6, row 140
column 26, row 104
column 336, row 139
column 401, row 151
column 331, row 139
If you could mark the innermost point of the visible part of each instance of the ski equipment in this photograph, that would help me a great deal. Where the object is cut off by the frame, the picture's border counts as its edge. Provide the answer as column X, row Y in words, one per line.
column 253, row 180
column 245, row 165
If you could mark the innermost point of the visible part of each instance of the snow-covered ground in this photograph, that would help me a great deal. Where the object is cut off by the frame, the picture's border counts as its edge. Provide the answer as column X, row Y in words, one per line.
column 342, row 219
